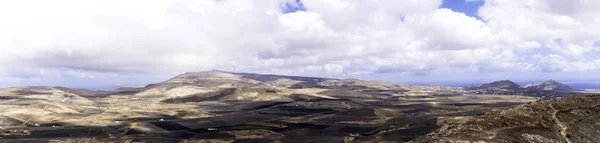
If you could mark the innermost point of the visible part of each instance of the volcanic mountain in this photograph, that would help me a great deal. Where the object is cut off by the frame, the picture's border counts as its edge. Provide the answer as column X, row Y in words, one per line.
column 502, row 85
column 550, row 85
column 548, row 88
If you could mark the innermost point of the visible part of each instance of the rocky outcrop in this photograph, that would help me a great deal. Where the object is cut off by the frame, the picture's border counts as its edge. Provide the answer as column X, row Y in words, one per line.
column 573, row 119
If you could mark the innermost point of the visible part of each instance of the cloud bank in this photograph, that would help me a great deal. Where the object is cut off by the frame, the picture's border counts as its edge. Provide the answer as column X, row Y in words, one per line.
column 91, row 43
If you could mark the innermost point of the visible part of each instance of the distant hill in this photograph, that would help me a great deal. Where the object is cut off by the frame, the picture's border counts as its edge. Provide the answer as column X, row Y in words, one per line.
column 550, row 85
column 536, row 89
column 502, row 85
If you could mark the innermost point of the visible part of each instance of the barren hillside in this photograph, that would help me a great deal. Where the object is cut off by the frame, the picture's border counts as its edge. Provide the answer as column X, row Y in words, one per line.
column 573, row 120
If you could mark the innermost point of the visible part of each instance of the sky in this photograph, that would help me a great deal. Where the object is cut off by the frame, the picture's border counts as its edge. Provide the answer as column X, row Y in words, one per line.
column 113, row 43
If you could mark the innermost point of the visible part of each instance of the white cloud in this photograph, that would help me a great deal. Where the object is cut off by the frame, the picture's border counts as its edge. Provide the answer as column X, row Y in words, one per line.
column 107, row 40
column 564, row 28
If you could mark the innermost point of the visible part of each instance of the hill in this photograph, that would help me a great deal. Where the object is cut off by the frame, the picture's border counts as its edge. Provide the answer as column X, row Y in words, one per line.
column 546, row 89
column 550, row 85
column 502, row 85
column 572, row 119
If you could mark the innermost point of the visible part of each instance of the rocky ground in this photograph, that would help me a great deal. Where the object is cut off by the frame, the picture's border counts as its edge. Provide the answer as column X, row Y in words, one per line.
column 573, row 119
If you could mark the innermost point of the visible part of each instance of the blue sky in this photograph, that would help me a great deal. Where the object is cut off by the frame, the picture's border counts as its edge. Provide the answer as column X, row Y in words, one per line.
column 467, row 7
column 293, row 7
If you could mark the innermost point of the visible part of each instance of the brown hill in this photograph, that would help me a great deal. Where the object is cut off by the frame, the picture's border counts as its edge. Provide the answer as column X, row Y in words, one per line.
column 573, row 119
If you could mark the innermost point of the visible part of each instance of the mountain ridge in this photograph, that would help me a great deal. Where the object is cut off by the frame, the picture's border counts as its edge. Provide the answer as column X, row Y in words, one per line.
column 220, row 78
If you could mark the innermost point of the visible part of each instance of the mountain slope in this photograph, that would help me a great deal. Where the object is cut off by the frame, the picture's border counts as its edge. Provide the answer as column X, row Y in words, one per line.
column 30, row 104
column 573, row 119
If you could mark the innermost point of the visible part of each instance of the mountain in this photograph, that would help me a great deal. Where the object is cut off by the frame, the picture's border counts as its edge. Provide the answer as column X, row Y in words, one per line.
column 502, row 85
column 572, row 119
column 550, row 85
